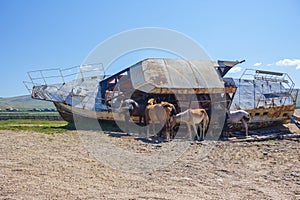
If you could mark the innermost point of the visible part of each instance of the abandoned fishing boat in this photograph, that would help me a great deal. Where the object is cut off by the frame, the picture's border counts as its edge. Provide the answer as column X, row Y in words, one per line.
column 91, row 94
column 268, row 96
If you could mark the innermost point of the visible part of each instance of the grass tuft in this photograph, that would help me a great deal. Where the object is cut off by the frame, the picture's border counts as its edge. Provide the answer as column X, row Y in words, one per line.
column 47, row 127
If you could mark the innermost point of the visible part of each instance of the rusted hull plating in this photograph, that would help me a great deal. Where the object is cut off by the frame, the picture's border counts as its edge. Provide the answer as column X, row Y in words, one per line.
column 266, row 117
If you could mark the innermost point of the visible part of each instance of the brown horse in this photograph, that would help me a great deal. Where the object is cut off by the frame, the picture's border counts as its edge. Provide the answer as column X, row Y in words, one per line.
column 159, row 113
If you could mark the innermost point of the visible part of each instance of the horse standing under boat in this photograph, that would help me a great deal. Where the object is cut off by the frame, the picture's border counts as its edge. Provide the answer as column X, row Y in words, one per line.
column 194, row 118
column 239, row 116
column 159, row 113
column 128, row 108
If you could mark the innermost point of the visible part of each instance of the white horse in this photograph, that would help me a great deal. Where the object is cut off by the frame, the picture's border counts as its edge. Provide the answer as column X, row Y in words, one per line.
column 239, row 116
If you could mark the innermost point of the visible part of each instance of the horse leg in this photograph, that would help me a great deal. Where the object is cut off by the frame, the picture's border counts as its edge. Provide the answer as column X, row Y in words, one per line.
column 127, row 117
column 204, row 126
column 140, row 120
column 189, row 129
column 147, row 120
column 167, row 131
column 172, row 132
column 200, row 132
column 153, row 129
column 144, row 116
column 195, row 130
column 147, row 132
column 246, row 126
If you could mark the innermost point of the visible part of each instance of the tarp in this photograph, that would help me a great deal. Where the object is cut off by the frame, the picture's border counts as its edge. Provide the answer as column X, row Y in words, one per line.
column 260, row 93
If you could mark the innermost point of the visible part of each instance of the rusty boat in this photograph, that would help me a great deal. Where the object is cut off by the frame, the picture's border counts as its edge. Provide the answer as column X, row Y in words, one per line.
column 269, row 97
column 86, row 92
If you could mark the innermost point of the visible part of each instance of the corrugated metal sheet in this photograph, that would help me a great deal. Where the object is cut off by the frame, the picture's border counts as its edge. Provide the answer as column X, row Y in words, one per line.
column 151, row 74
column 255, row 93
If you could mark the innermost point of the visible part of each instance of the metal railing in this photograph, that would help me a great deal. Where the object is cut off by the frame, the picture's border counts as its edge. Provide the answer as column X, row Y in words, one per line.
column 63, row 75
column 281, row 94
column 269, row 76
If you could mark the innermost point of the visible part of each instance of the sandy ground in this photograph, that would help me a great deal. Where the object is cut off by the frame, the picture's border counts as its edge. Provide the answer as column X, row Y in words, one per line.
column 59, row 166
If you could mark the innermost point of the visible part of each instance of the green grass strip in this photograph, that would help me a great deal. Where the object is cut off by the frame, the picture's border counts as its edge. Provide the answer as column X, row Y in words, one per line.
column 47, row 127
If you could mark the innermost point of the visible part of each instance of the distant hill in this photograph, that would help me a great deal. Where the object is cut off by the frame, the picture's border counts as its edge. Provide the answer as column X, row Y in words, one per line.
column 24, row 102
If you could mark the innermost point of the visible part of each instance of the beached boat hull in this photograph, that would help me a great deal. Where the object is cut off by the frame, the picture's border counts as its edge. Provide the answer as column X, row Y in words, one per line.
column 184, row 83
column 267, row 117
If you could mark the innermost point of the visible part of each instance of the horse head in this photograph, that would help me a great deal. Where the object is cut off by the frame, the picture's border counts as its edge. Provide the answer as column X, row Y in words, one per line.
column 130, row 105
column 151, row 101
column 247, row 117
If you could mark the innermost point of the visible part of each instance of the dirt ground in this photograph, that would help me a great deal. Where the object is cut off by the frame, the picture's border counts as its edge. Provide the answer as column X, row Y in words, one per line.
column 60, row 166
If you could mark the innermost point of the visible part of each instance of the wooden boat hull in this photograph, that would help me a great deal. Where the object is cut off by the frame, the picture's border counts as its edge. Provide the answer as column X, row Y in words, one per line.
column 267, row 117
column 260, row 118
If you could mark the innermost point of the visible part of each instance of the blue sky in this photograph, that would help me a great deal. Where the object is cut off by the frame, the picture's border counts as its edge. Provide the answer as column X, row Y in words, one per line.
column 60, row 33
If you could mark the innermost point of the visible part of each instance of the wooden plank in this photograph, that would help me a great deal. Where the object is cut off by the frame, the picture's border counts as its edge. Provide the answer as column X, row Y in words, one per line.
column 295, row 120
column 263, row 137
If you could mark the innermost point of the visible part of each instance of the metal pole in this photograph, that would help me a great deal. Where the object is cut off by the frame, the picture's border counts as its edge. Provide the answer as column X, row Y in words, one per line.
column 253, row 93
column 43, row 77
column 61, row 74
